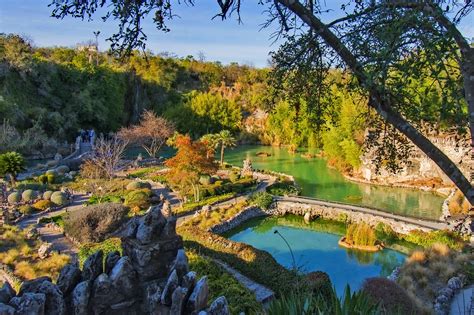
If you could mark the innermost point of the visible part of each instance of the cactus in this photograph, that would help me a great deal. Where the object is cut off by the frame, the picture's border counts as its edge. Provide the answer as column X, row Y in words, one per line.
column 47, row 195
column 59, row 198
column 29, row 195
column 14, row 198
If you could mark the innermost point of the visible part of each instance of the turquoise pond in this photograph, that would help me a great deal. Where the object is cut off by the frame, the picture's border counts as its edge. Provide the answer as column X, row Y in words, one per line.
column 318, row 180
column 316, row 250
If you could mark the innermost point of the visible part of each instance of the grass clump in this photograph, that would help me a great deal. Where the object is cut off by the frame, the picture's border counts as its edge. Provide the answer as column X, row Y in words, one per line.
column 204, row 221
column 283, row 189
column 360, row 234
column 94, row 223
column 428, row 239
column 261, row 199
column 21, row 255
column 427, row 271
column 459, row 204
column 191, row 206
column 43, row 205
column 57, row 219
column 139, row 198
column 109, row 245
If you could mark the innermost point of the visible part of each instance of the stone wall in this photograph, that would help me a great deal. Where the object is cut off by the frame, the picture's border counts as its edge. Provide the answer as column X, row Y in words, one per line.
column 151, row 277
column 286, row 207
column 422, row 167
column 244, row 215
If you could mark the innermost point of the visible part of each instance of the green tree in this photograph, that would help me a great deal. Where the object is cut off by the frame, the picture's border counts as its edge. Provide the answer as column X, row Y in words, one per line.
column 225, row 140
column 11, row 163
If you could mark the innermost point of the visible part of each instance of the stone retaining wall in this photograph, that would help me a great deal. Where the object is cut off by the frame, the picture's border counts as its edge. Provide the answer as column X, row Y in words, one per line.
column 286, row 207
column 244, row 215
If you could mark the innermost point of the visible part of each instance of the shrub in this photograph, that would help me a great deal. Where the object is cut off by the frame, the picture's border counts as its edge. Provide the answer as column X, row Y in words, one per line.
column 459, row 204
column 57, row 219
column 261, row 199
column 91, row 170
column 51, row 172
column 14, row 197
column 43, row 204
column 51, row 178
column 390, row 296
column 107, row 198
column 283, row 189
column 205, row 180
column 385, row 233
column 233, row 177
column 47, row 195
column 93, row 223
column 29, row 195
column 427, row 239
column 138, row 198
column 26, row 209
column 138, row 185
column 59, row 198
column 318, row 282
column 360, row 234
column 108, row 246
column 43, row 179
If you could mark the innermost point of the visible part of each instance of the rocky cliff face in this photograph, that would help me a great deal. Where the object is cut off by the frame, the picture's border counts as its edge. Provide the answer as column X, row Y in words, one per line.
column 420, row 166
column 151, row 277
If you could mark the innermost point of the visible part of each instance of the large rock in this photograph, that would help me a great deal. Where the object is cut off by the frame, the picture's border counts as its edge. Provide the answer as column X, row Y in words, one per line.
column 6, row 293
column 80, row 298
column 198, row 298
column 189, row 280
column 110, row 261
column 45, row 250
column 55, row 304
column 151, row 226
column 124, row 277
column 104, row 294
column 181, row 264
column 29, row 304
column 92, row 267
column 68, row 278
column 219, row 307
column 32, row 285
column 169, row 288
column 152, row 298
column 6, row 309
column 178, row 299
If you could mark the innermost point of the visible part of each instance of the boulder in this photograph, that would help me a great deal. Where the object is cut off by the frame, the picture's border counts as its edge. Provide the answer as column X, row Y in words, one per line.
column 152, row 298
column 455, row 283
column 68, row 278
column 124, row 278
column 29, row 303
column 80, row 298
column 32, row 285
column 55, row 304
column 103, row 294
column 171, row 285
column 307, row 217
column 32, row 233
column 92, row 267
column 6, row 309
column 181, row 264
column 177, row 300
column 110, row 261
column 198, row 298
column 6, row 293
column 44, row 250
column 189, row 280
column 219, row 307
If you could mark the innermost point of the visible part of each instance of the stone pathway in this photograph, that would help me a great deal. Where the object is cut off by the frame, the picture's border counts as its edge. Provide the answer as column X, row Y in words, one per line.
column 463, row 302
column 263, row 294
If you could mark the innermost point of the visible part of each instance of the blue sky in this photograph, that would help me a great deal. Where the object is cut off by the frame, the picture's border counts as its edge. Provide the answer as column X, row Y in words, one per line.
column 193, row 31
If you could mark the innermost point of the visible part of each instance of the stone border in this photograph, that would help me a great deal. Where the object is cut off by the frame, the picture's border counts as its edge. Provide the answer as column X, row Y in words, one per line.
column 244, row 215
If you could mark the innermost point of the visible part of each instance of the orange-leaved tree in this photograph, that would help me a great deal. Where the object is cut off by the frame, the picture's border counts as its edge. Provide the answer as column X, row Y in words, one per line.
column 190, row 162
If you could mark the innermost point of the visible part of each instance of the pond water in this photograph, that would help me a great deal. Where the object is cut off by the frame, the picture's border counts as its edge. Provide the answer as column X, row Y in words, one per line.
column 318, row 180
column 315, row 248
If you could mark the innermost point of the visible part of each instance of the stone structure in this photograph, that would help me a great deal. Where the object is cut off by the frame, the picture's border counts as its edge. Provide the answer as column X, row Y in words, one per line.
column 247, row 168
column 244, row 215
column 152, row 277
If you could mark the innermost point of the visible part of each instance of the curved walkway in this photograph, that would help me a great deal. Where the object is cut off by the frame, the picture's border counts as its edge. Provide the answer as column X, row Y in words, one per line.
column 431, row 224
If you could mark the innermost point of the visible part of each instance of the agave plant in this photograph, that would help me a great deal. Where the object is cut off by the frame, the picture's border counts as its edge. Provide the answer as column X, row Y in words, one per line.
column 11, row 163
column 306, row 303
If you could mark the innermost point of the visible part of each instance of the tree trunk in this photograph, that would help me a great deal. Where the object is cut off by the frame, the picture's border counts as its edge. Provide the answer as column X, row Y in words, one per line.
column 378, row 103
column 222, row 154
column 12, row 180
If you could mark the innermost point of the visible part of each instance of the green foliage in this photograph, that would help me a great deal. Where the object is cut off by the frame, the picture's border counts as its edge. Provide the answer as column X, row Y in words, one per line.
column 57, row 219
column 51, row 178
column 29, row 195
column 223, row 284
column 26, row 209
column 205, row 180
column 385, row 233
column 11, row 163
column 360, row 234
column 94, row 223
column 59, row 198
column 191, row 206
column 139, row 198
column 43, row 179
column 261, row 199
column 94, row 199
column 43, row 204
column 233, row 177
column 427, row 239
column 133, row 185
column 14, row 197
column 107, row 246
column 301, row 302
column 283, row 189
